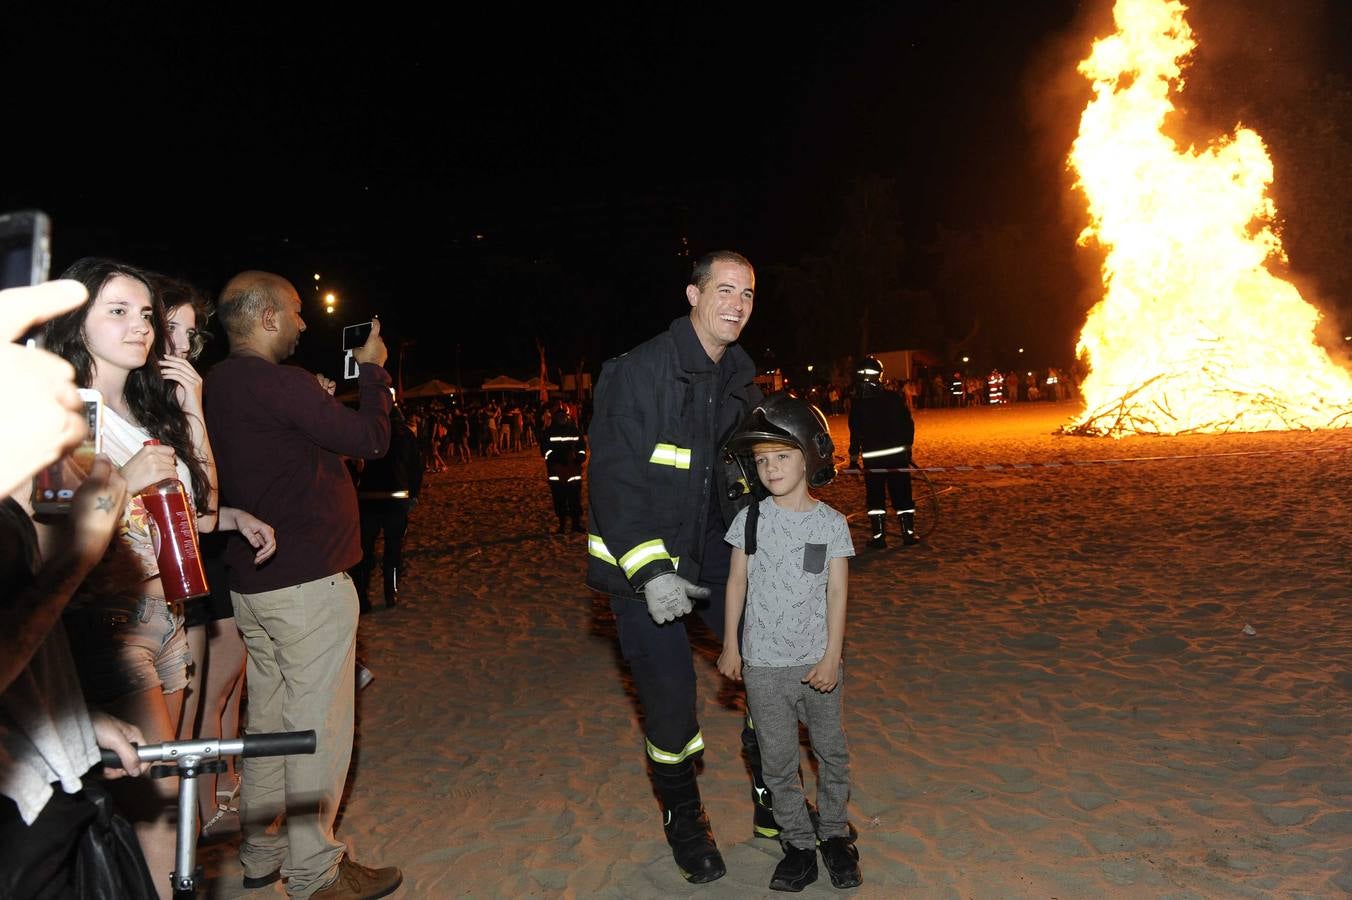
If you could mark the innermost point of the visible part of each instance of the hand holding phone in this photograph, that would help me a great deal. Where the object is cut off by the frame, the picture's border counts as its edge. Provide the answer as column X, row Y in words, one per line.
column 44, row 412
column 373, row 350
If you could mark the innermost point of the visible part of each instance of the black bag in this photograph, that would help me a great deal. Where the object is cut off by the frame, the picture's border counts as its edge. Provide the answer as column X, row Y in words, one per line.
column 78, row 847
column 109, row 864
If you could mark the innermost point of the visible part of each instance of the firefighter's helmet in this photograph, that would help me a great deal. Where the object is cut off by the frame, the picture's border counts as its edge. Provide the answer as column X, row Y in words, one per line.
column 785, row 419
column 869, row 369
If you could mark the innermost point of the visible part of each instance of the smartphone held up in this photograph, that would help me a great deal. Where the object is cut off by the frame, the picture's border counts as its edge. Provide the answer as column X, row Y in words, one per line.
column 54, row 487
column 25, row 248
column 354, row 338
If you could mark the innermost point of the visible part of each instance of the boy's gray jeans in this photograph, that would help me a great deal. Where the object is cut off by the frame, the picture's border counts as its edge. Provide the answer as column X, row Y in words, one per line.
column 778, row 701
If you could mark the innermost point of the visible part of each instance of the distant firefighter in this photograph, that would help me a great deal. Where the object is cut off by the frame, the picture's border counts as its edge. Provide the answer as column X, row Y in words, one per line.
column 564, row 449
column 881, row 435
column 995, row 387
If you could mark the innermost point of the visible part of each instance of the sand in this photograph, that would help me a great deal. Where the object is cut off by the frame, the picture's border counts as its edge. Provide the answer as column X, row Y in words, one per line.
column 1055, row 695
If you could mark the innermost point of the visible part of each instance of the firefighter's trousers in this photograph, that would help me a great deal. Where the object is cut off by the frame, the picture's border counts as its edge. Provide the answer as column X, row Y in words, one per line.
column 659, row 658
column 565, row 486
column 877, row 485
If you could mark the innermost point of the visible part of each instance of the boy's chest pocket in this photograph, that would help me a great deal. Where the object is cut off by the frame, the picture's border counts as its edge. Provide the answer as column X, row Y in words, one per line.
column 814, row 558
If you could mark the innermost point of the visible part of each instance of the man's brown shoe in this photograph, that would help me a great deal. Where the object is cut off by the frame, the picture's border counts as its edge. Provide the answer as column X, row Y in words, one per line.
column 356, row 882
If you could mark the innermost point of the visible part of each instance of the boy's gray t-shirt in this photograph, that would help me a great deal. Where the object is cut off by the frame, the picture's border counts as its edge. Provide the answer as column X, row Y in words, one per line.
column 785, row 618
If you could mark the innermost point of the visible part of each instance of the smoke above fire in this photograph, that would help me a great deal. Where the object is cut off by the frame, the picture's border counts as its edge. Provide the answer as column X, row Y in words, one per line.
column 1194, row 332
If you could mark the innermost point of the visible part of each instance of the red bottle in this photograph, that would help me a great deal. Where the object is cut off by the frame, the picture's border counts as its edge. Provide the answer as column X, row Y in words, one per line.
column 176, row 546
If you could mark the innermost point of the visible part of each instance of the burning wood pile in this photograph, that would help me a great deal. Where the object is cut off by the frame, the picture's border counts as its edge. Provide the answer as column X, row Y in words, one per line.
column 1194, row 333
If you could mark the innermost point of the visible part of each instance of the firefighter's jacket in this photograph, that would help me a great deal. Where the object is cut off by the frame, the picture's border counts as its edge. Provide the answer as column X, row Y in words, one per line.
column 880, row 425
column 656, row 457
column 564, row 449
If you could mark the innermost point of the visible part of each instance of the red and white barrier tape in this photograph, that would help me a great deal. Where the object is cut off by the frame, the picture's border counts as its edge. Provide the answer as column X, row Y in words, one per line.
column 1079, row 463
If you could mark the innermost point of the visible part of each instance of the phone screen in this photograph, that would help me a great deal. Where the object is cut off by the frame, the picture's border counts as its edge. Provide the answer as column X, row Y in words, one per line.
column 25, row 248
column 356, row 335
column 54, row 487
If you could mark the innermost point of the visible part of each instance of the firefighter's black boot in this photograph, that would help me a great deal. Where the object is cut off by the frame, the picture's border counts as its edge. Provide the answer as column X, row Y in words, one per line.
column 763, row 822
column 908, row 535
column 563, row 526
column 686, row 824
column 879, row 522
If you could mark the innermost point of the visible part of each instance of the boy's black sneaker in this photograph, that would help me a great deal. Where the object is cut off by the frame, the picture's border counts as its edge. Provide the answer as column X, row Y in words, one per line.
column 795, row 871
column 842, row 862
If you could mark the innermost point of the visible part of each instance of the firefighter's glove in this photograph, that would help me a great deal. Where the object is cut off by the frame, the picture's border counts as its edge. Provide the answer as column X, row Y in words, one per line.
column 670, row 596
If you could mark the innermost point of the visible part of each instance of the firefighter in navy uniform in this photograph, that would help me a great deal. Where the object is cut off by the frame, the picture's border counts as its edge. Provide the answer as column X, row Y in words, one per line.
column 564, row 450
column 660, row 504
column 882, row 433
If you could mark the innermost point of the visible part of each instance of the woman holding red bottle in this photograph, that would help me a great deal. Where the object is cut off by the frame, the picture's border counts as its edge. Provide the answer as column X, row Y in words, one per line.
column 129, row 641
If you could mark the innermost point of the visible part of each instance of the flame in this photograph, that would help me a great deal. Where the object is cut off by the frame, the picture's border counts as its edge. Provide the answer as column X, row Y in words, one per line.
column 1193, row 332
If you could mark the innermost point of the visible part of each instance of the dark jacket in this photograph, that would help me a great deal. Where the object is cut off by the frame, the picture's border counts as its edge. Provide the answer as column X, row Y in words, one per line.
column 279, row 441
column 656, row 461
column 879, row 420
column 398, row 474
column 563, row 447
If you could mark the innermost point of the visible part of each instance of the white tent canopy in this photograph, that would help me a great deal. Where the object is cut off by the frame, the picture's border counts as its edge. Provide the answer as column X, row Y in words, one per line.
column 434, row 388
column 507, row 383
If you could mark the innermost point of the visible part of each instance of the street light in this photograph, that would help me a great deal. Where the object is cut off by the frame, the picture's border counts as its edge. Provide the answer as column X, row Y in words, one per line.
column 329, row 300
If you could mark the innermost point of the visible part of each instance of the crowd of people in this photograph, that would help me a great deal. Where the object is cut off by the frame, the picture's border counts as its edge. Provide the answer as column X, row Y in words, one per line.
column 691, row 469
column 451, row 432
column 934, row 388
column 97, row 653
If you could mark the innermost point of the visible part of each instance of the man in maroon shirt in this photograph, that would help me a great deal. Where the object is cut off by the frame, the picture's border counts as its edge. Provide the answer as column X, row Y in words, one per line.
column 279, row 438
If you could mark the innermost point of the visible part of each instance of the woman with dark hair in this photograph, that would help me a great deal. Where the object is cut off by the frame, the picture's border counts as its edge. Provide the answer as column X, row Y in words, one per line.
column 128, row 640
column 216, row 678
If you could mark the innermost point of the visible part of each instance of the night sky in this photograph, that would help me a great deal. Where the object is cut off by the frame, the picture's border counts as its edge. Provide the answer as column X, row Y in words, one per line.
column 481, row 179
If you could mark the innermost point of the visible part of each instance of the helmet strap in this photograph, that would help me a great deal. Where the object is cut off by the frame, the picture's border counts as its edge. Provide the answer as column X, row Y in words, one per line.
column 752, row 520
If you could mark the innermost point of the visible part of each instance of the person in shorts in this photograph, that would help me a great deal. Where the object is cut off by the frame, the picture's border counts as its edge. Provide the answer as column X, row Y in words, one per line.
column 128, row 640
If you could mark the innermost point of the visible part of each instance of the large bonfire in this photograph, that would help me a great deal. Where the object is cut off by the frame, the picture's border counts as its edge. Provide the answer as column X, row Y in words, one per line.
column 1193, row 332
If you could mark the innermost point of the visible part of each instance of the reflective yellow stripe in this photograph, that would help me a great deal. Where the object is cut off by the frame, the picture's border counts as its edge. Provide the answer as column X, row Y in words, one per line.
column 597, row 548
column 643, row 554
column 671, row 455
column 657, row 755
column 889, row 451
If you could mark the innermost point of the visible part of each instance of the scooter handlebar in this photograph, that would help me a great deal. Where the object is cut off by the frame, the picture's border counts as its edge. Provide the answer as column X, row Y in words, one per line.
column 280, row 743
column 277, row 743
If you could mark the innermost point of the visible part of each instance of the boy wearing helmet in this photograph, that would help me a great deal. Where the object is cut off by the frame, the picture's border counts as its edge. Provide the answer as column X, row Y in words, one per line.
column 789, row 573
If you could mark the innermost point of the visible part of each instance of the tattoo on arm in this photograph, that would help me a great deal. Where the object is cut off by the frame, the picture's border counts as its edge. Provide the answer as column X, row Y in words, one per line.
column 105, row 504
